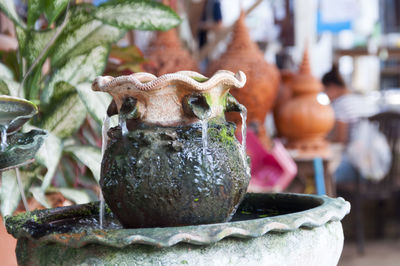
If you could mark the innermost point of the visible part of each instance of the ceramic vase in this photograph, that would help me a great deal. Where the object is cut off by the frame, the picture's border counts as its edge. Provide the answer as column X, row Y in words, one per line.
column 173, row 160
column 307, row 117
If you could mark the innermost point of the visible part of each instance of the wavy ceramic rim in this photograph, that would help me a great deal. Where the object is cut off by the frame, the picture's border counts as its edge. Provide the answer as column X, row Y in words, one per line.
column 148, row 82
column 330, row 209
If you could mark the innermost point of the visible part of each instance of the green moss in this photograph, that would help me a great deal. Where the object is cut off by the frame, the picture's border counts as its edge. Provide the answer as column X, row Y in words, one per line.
column 224, row 135
column 200, row 79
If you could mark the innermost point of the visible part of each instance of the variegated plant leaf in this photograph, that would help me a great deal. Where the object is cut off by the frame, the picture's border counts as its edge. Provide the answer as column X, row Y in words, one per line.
column 5, row 72
column 79, row 69
column 39, row 196
column 4, row 88
column 96, row 102
column 51, row 8
column 35, row 42
column 89, row 156
column 12, row 87
column 9, row 193
column 66, row 112
column 79, row 196
column 49, row 155
column 81, row 35
column 137, row 14
column 8, row 7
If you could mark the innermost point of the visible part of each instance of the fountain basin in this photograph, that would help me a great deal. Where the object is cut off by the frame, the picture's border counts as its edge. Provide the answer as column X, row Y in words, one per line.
column 267, row 229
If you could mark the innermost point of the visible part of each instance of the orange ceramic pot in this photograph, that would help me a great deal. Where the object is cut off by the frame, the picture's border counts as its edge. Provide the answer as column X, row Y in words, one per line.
column 166, row 55
column 261, row 88
column 306, row 118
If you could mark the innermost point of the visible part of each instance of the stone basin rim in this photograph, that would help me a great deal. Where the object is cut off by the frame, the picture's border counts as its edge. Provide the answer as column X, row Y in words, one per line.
column 329, row 210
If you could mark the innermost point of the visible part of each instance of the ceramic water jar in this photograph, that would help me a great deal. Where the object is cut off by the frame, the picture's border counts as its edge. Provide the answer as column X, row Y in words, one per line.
column 306, row 117
column 173, row 160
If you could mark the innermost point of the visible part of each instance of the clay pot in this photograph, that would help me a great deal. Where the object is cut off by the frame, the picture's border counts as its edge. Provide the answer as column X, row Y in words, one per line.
column 174, row 160
column 307, row 117
column 260, row 92
column 166, row 55
column 284, row 95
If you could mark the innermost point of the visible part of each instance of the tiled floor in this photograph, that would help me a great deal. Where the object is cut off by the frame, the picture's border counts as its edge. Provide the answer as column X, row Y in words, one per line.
column 377, row 253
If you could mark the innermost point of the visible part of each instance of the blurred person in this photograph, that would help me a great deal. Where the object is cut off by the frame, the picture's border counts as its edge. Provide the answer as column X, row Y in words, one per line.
column 349, row 108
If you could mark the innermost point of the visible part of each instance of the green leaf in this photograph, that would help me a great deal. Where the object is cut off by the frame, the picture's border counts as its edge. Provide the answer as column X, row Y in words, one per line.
column 137, row 14
column 66, row 112
column 4, row 88
column 7, row 84
column 5, row 72
column 79, row 69
column 51, row 8
column 79, row 196
column 89, row 156
column 9, row 193
column 96, row 102
column 39, row 195
column 11, row 86
column 35, row 42
column 8, row 7
column 81, row 35
column 49, row 155
column 34, row 10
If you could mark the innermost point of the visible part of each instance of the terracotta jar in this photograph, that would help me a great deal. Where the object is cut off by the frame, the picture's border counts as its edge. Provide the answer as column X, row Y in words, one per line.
column 166, row 55
column 260, row 91
column 173, row 160
column 307, row 117
column 284, row 95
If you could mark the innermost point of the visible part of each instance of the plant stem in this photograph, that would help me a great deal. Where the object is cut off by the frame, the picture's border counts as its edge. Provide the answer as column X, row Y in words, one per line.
column 21, row 189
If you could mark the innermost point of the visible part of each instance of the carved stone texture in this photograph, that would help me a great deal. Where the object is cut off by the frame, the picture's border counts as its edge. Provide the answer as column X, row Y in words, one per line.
column 307, row 117
column 166, row 55
column 263, row 79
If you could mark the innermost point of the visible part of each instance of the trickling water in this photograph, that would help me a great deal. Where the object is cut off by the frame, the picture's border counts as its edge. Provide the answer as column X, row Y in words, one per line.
column 122, row 124
column 101, row 212
column 243, row 114
column 104, row 139
column 204, row 136
column 3, row 144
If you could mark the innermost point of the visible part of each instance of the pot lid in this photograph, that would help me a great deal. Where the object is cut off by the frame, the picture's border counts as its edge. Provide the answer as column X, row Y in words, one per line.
column 304, row 82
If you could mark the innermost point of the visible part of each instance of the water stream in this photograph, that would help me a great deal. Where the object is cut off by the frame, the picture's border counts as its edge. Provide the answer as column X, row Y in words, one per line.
column 204, row 136
column 104, row 138
column 243, row 115
column 3, row 144
column 122, row 124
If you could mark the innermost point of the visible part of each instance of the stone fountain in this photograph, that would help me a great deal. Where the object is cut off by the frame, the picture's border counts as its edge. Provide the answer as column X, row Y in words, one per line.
column 174, row 178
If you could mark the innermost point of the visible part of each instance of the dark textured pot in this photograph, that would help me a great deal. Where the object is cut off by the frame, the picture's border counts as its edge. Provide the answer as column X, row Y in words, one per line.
column 161, row 177
column 178, row 161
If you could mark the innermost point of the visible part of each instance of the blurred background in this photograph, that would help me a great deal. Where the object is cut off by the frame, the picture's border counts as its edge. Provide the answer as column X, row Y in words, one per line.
column 323, row 100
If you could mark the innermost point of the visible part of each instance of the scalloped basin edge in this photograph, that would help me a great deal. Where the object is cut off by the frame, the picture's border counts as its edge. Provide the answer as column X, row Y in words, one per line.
column 310, row 233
